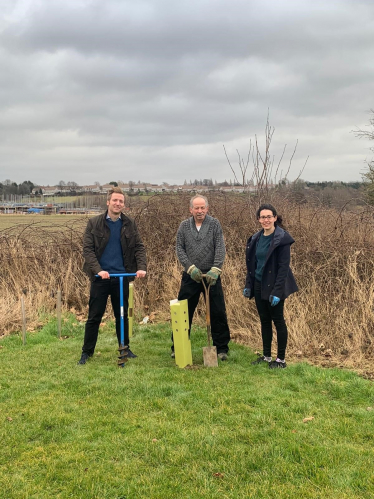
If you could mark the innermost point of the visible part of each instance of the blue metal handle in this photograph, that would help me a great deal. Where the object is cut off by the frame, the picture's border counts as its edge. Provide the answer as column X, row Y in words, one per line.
column 121, row 275
column 118, row 275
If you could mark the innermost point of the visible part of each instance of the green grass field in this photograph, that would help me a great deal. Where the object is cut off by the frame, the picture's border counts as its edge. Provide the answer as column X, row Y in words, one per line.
column 152, row 430
column 8, row 221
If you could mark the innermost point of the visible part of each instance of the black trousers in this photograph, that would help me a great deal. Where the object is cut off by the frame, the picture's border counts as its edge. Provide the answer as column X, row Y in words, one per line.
column 191, row 290
column 269, row 314
column 100, row 290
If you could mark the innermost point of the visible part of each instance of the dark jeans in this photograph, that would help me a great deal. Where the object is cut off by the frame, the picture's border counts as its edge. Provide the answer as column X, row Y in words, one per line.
column 100, row 290
column 191, row 290
column 269, row 314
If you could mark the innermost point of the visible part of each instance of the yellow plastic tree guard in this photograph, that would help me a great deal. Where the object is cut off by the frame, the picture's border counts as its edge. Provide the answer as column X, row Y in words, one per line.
column 182, row 343
column 130, row 313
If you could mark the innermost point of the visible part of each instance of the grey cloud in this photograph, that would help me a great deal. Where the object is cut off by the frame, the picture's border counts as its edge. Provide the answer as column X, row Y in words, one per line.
column 172, row 79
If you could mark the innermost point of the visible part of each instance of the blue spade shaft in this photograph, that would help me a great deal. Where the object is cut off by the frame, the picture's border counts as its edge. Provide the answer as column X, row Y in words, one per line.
column 121, row 276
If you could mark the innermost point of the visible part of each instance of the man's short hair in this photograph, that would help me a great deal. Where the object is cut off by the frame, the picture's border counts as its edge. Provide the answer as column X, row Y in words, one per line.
column 199, row 196
column 114, row 190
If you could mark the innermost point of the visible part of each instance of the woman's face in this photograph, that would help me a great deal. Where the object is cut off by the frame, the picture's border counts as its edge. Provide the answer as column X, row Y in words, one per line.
column 267, row 219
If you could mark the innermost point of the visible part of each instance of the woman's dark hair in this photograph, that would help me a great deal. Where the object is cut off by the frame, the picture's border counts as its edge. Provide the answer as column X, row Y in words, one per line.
column 279, row 220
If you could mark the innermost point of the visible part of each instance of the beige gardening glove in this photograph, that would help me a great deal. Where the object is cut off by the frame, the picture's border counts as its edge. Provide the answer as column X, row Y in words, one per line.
column 212, row 276
column 195, row 273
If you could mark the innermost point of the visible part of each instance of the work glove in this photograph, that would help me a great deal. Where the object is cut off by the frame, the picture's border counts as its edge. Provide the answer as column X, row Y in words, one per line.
column 247, row 292
column 212, row 276
column 274, row 300
column 195, row 273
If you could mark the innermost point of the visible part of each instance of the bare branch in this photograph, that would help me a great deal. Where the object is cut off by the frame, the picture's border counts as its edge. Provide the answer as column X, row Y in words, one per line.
column 263, row 162
column 232, row 169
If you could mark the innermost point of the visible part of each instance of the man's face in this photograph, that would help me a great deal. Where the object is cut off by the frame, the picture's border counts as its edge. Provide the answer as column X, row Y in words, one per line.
column 199, row 210
column 115, row 205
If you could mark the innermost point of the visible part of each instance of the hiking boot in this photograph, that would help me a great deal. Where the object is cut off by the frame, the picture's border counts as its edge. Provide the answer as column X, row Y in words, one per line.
column 222, row 356
column 84, row 358
column 130, row 355
column 276, row 364
column 260, row 360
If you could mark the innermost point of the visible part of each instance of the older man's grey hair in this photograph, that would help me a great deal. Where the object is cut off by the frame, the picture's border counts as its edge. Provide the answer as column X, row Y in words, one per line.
column 199, row 196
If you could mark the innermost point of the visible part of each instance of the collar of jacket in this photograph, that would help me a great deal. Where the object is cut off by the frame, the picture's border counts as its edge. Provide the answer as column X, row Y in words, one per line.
column 124, row 218
column 279, row 235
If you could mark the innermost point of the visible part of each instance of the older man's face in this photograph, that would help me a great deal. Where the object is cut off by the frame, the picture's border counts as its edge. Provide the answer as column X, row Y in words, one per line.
column 199, row 210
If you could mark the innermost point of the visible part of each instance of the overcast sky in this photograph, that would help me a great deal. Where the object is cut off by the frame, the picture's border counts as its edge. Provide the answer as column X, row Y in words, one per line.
column 102, row 90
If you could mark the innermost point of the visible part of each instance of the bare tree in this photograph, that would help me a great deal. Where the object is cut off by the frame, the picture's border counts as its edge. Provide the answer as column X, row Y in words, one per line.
column 367, row 134
column 368, row 175
column 259, row 167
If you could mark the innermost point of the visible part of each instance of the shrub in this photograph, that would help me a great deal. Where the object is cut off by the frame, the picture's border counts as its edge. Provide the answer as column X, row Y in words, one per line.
column 331, row 317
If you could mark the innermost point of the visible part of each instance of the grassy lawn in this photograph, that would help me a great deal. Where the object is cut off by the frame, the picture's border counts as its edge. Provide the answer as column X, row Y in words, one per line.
column 152, row 430
column 45, row 221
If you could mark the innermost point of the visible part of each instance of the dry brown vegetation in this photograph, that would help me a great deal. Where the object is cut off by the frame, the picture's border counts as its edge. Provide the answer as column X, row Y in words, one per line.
column 331, row 318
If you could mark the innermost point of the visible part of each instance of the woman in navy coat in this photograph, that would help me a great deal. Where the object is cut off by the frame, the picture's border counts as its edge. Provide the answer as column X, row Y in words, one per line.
column 270, row 280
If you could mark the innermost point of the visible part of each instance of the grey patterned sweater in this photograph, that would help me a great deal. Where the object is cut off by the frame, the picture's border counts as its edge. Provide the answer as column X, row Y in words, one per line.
column 204, row 248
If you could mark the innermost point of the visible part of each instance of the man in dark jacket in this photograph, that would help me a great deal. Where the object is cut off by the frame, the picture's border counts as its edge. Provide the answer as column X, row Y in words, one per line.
column 111, row 245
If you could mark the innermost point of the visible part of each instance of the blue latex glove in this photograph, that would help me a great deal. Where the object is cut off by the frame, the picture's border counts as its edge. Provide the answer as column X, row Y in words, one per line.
column 274, row 300
column 247, row 292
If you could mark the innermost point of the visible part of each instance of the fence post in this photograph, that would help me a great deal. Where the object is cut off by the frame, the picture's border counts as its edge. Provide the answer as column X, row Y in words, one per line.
column 59, row 313
column 23, row 313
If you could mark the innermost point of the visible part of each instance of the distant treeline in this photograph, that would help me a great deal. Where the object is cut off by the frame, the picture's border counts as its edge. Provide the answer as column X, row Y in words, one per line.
column 327, row 193
column 334, row 184
column 9, row 187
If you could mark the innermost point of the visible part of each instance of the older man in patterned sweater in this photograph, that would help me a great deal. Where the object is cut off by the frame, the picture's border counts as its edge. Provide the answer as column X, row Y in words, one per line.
column 201, row 250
